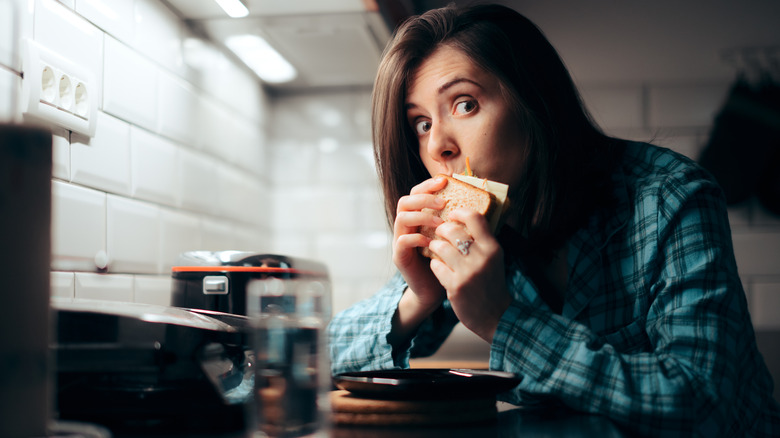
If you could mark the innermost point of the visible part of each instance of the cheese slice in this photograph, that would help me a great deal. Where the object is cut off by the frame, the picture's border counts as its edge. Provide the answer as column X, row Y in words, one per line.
column 498, row 190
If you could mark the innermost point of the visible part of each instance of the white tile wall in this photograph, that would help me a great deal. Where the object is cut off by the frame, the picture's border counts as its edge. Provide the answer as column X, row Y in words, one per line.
column 104, row 287
column 197, row 181
column 130, row 85
column 157, row 34
column 9, row 89
column 61, row 153
column 112, row 16
column 153, row 290
column 145, row 187
column 178, row 109
column 133, row 229
column 103, row 162
column 78, row 227
column 154, row 167
column 62, row 284
column 181, row 232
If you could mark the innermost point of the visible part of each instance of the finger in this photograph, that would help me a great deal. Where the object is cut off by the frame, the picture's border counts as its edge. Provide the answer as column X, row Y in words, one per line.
column 419, row 201
column 475, row 223
column 453, row 231
column 429, row 185
column 410, row 221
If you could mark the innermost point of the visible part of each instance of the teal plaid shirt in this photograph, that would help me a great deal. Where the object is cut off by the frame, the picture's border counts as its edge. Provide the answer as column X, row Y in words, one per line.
column 654, row 334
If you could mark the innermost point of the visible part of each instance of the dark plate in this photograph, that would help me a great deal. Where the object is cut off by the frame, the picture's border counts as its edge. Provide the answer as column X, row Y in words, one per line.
column 422, row 383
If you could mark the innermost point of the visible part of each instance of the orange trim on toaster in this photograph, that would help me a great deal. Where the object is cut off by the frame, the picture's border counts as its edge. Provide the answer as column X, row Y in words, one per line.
column 257, row 269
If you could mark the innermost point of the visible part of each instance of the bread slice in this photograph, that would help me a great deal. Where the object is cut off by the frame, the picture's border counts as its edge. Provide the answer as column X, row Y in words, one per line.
column 460, row 194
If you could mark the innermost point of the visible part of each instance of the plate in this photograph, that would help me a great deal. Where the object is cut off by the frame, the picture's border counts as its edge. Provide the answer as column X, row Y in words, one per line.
column 426, row 383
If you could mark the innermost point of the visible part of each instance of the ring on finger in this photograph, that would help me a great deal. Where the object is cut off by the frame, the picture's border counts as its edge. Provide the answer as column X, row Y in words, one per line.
column 463, row 245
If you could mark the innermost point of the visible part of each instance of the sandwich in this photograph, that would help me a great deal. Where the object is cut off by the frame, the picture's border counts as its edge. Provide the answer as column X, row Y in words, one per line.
column 488, row 198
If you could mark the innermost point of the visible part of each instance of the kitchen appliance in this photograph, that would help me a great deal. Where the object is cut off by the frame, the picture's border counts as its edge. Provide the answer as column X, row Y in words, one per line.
column 141, row 369
column 217, row 280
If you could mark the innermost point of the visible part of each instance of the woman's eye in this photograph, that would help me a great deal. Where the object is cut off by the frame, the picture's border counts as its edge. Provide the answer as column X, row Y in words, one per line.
column 422, row 127
column 465, row 107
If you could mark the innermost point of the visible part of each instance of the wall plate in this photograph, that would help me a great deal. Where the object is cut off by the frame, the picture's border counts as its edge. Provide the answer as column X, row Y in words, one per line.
column 57, row 91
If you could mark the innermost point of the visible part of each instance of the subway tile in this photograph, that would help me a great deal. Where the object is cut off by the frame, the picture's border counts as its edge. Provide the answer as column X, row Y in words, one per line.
column 103, row 162
column 345, row 164
column 238, row 195
column 293, row 243
column 252, row 238
column 112, row 16
column 104, row 287
column 129, row 85
column 78, row 227
column 314, row 116
column 9, row 35
column 197, row 181
column 61, row 153
column 757, row 253
column 685, row 105
column 178, row 109
column 218, row 76
column 10, row 89
column 354, row 255
column 153, row 290
column 371, row 209
column 361, row 116
column 180, row 233
column 292, row 162
column 133, row 229
column 217, row 235
column 154, row 166
column 227, row 135
column 61, row 30
column 616, row 107
column 62, row 284
column 292, row 209
column 158, row 34
column 765, row 308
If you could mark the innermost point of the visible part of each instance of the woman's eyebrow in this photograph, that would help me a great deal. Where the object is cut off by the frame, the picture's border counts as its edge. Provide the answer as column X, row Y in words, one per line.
column 456, row 81
column 443, row 88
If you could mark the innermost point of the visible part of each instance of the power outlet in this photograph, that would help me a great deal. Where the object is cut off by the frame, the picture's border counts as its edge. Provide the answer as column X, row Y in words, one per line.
column 58, row 91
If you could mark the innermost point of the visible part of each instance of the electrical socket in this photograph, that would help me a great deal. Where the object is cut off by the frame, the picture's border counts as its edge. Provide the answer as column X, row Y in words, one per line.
column 58, row 91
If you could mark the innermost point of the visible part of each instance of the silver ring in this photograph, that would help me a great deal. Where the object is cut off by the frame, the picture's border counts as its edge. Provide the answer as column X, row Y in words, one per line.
column 463, row 245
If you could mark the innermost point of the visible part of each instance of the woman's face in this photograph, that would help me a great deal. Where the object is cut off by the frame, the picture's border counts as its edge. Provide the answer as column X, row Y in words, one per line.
column 457, row 111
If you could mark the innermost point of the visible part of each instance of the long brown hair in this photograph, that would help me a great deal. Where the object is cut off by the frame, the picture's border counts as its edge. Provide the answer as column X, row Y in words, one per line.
column 567, row 157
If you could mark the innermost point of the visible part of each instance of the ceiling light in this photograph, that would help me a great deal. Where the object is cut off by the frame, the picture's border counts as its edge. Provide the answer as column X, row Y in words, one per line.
column 256, row 53
column 234, row 8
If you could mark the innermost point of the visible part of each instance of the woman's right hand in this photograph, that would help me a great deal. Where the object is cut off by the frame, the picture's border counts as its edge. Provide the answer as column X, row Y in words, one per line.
column 424, row 293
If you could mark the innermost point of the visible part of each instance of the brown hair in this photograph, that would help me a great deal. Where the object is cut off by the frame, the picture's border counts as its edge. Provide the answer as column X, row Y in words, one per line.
column 566, row 155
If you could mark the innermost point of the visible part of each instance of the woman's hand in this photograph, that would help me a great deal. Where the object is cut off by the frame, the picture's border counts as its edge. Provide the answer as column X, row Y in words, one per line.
column 425, row 293
column 474, row 279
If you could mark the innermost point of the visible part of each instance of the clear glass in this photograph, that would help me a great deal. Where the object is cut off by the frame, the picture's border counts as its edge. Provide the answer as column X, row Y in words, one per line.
column 292, row 373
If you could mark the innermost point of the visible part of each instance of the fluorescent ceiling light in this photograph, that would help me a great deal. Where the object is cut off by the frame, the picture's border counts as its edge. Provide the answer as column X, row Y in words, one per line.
column 234, row 8
column 256, row 53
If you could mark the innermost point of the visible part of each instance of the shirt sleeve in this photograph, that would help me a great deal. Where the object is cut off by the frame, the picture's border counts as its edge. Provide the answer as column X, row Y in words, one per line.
column 700, row 375
column 358, row 335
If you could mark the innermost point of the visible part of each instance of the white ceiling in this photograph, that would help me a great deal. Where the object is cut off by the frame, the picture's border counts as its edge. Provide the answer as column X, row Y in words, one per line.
column 337, row 43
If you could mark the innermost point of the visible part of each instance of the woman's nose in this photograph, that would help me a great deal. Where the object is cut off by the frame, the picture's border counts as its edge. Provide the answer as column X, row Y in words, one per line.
column 441, row 146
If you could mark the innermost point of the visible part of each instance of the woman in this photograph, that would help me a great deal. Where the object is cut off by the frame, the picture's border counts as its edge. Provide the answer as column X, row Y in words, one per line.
column 612, row 287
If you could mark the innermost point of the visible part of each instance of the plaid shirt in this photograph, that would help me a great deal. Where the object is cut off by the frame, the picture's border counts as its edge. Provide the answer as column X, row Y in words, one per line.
column 654, row 333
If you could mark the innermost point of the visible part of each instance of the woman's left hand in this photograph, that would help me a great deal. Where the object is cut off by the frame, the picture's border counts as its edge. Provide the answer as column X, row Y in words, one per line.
column 474, row 277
